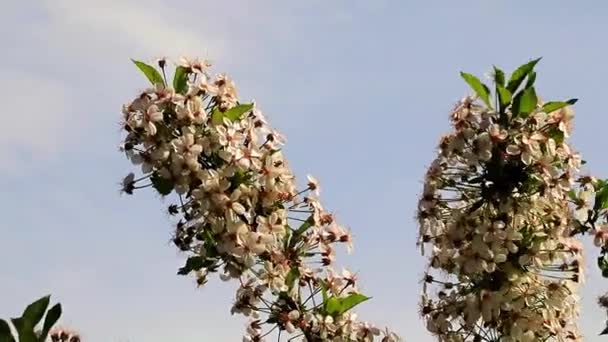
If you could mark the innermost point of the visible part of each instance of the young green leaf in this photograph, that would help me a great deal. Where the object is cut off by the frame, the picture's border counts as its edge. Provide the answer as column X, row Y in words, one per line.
column 34, row 312
column 17, row 323
column 52, row 316
column 193, row 263
column 602, row 263
column 601, row 198
column 520, row 74
column 217, row 117
column 323, row 291
column 162, row 185
column 480, row 89
column 599, row 185
column 236, row 112
column 180, row 80
column 232, row 114
column 304, row 226
column 499, row 77
column 556, row 105
column 292, row 276
column 5, row 332
column 333, row 306
column 25, row 329
column 239, row 178
column 150, row 72
column 351, row 301
column 531, row 79
column 525, row 102
column 336, row 306
column 504, row 96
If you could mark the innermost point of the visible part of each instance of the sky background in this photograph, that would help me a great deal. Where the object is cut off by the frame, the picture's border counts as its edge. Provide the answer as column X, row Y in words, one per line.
column 361, row 89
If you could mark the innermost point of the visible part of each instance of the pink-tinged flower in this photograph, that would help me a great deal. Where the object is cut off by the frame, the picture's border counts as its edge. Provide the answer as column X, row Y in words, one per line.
column 483, row 146
column 563, row 118
column 274, row 224
column 194, row 65
column 193, row 111
column 153, row 115
column 313, row 185
column 248, row 157
column 600, row 238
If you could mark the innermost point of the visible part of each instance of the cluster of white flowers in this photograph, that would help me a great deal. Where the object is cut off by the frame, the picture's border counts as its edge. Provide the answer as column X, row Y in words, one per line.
column 64, row 335
column 239, row 209
column 496, row 213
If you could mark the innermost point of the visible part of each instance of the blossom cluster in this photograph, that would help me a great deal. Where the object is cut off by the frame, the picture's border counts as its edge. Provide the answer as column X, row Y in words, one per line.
column 238, row 208
column 500, row 207
column 64, row 335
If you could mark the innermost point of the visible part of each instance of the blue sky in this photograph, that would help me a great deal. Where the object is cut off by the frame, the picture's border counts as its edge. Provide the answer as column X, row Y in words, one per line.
column 361, row 89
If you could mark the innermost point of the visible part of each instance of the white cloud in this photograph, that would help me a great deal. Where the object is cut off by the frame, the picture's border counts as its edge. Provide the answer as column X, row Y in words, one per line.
column 151, row 28
column 70, row 46
column 73, row 35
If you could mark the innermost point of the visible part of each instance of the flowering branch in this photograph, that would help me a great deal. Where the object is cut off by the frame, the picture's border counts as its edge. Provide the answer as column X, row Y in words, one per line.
column 239, row 211
column 502, row 206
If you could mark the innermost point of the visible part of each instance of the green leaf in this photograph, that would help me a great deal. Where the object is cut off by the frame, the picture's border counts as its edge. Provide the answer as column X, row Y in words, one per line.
column 531, row 79
column 193, row 263
column 292, row 276
column 557, row 135
column 295, row 237
column 555, row 105
column 333, row 306
column 180, row 80
column 305, row 225
column 5, row 332
column 525, row 102
column 287, row 238
column 28, row 335
column 236, row 112
column 232, row 114
column 499, row 77
column 217, row 117
column 17, row 323
column 480, row 89
column 210, row 244
column 162, row 185
column 272, row 319
column 599, row 184
column 34, row 312
column 351, row 301
column 504, row 96
column 520, row 74
column 601, row 198
column 323, row 291
column 336, row 306
column 150, row 72
column 52, row 316
column 239, row 178
column 602, row 263
column 24, row 329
